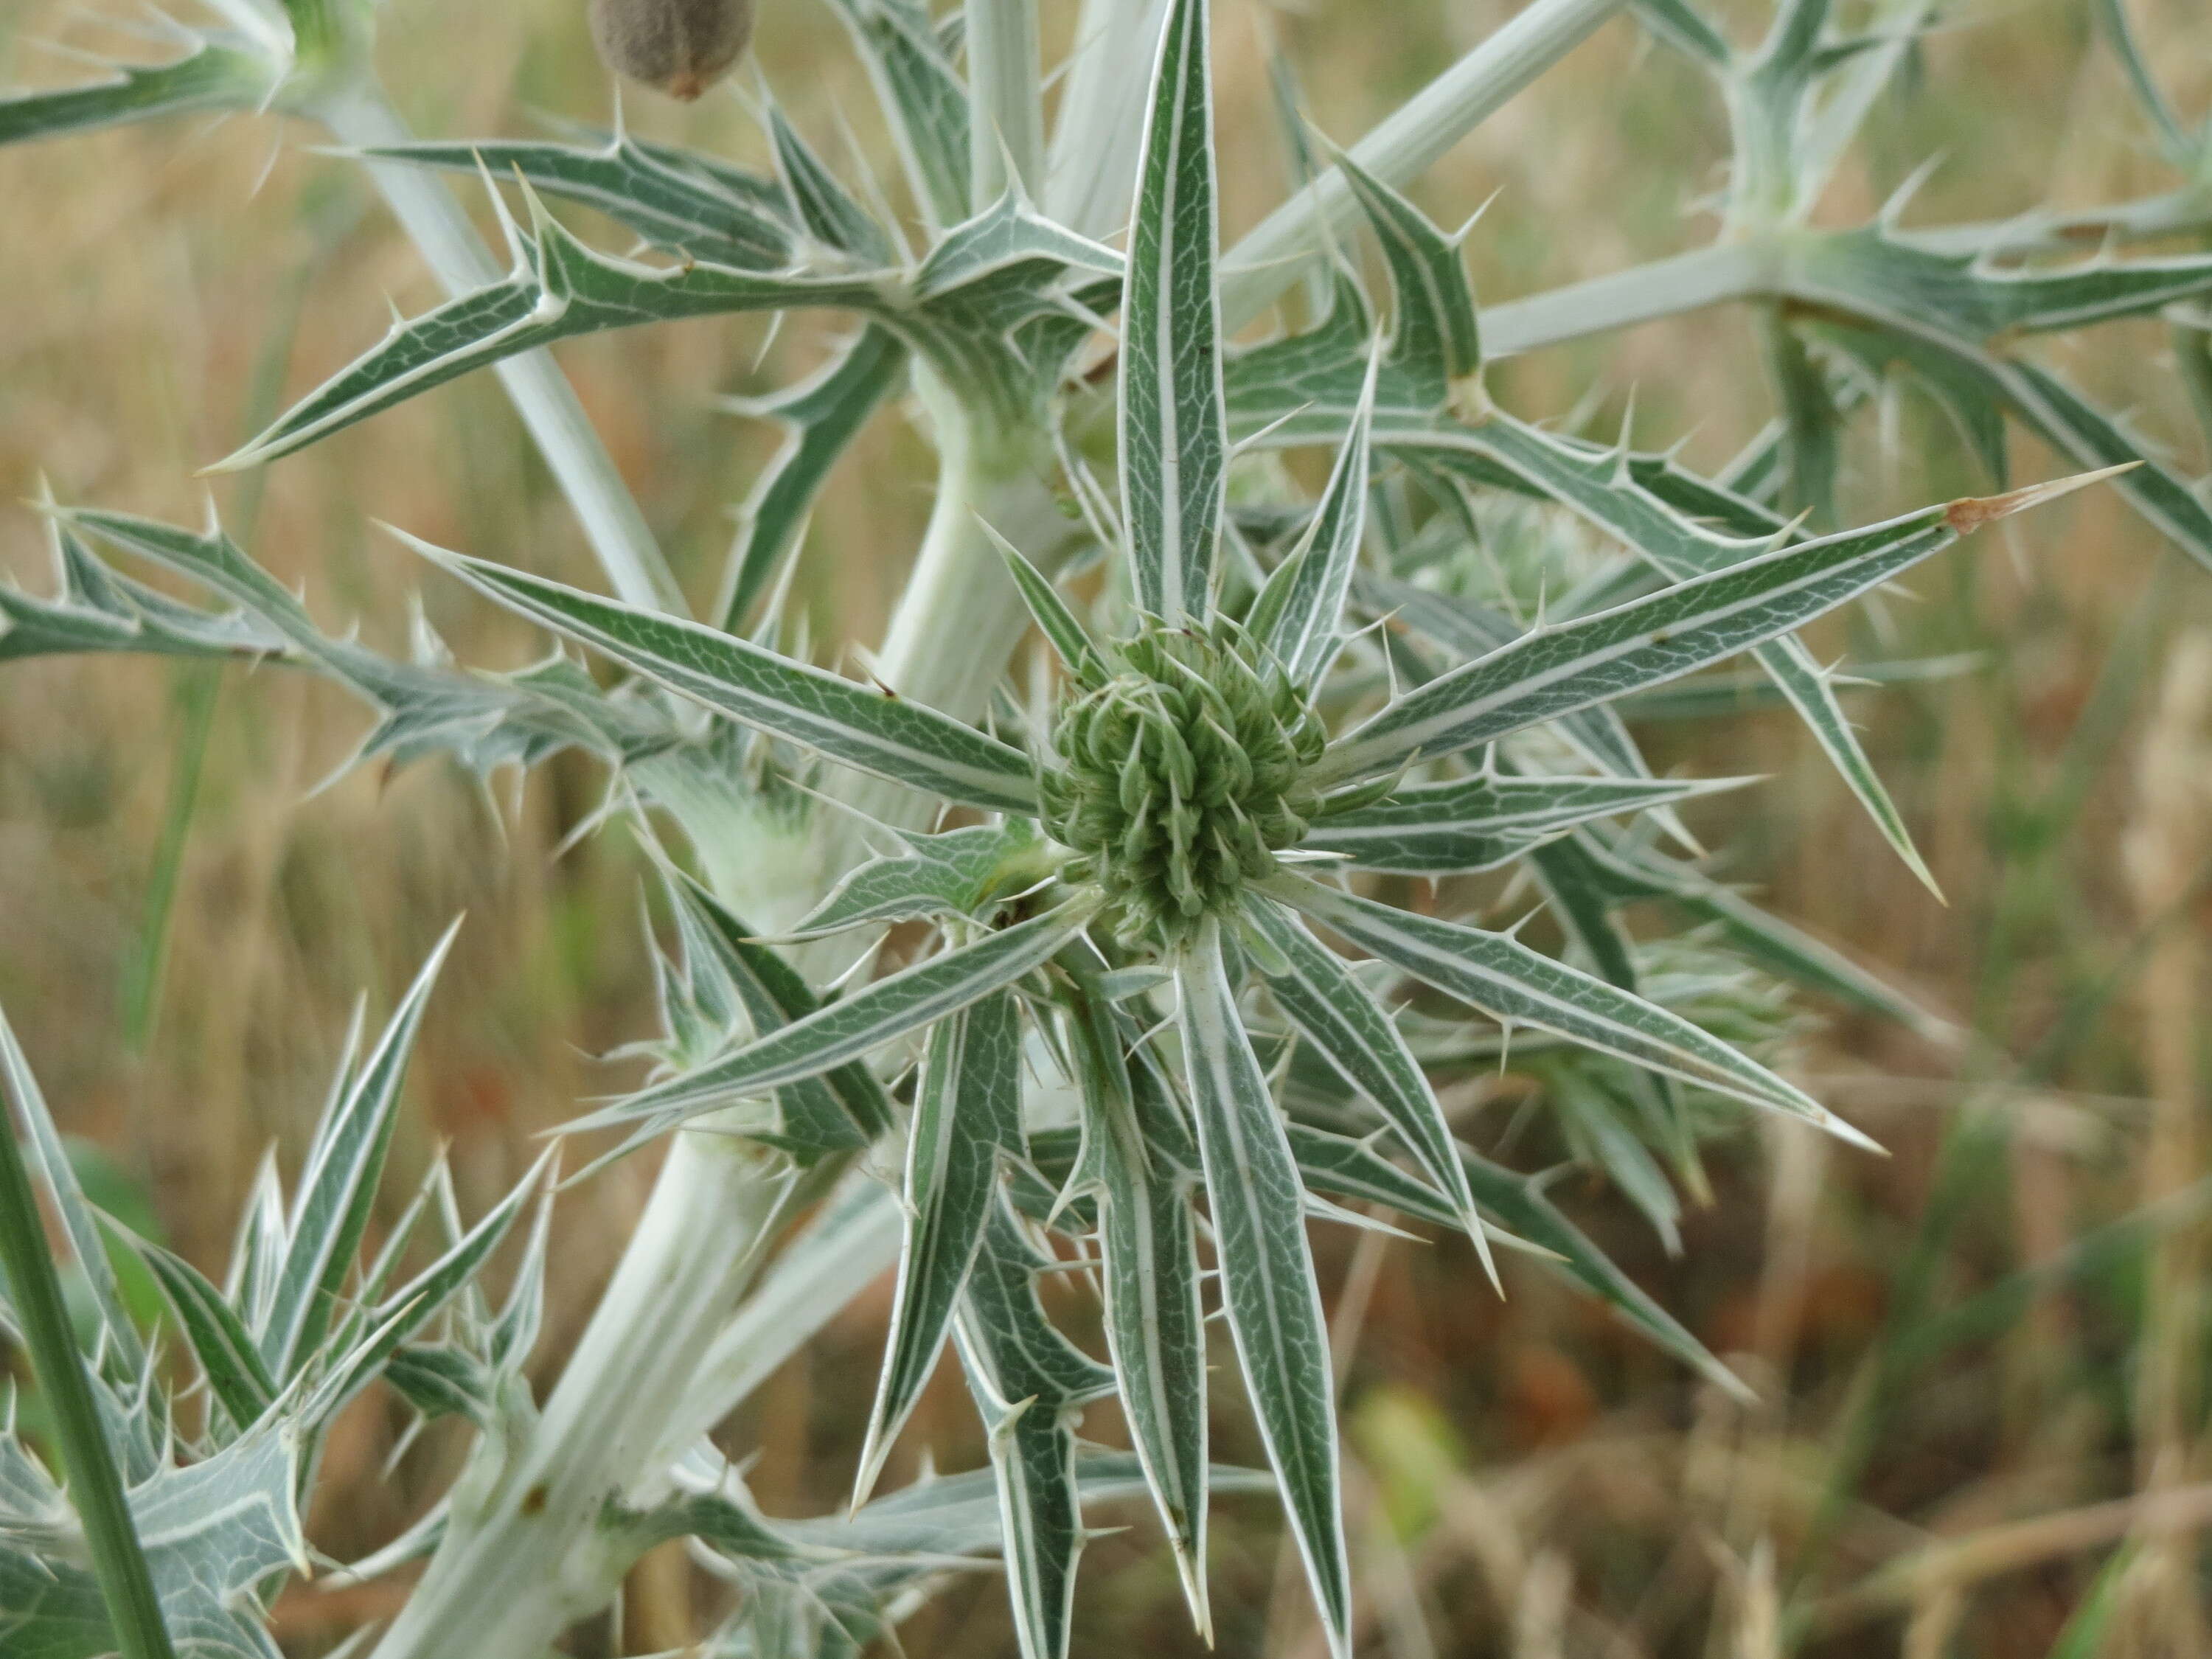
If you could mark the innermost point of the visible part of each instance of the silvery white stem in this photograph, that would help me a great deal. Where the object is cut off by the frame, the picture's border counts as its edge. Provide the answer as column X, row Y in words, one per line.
column 797, row 1297
column 1093, row 176
column 358, row 115
column 1622, row 299
column 527, row 1552
column 1403, row 147
column 1006, row 128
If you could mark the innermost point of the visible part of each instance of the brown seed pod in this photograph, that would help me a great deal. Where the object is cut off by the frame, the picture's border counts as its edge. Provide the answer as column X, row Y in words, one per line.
column 681, row 46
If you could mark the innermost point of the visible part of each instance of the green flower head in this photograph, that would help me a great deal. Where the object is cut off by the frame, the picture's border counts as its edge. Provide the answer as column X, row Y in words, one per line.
column 1182, row 770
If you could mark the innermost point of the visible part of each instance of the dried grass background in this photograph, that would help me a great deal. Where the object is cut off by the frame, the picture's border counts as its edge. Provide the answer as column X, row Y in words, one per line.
column 1983, row 1423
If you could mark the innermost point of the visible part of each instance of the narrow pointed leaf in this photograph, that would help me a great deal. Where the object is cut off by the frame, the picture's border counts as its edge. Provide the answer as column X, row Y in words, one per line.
column 416, row 1303
column 1268, row 1276
column 1437, row 340
column 1522, row 1207
column 1027, row 1379
column 1660, row 511
column 1789, row 951
column 560, row 289
column 1174, row 433
column 1513, row 983
column 678, row 202
column 339, row 1191
column 824, row 206
column 1053, row 619
column 228, row 1357
column 876, row 731
column 952, row 874
column 217, row 75
column 26, row 1112
column 844, row 1107
column 1155, row 1319
column 1040, row 1513
column 1572, row 666
column 839, row 1033
column 1305, row 632
column 1482, row 822
column 967, row 1114
column 1349, row 1028
column 1474, row 630
column 823, row 416
column 918, row 87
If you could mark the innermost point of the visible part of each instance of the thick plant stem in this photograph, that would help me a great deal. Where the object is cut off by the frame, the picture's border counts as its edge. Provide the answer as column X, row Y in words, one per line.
column 1006, row 134
column 529, row 1552
column 95, row 1485
column 358, row 115
column 531, row 1548
column 1093, row 175
column 1403, row 147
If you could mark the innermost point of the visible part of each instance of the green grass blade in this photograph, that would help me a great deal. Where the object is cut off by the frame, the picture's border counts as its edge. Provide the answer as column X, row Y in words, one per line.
column 1267, row 1274
column 34, row 1289
column 1175, row 443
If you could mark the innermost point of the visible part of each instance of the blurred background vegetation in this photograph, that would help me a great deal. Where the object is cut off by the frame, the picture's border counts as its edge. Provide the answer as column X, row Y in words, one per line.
column 1980, row 1360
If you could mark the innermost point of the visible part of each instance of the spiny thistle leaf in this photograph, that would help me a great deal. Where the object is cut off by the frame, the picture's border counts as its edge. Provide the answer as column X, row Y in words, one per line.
column 823, row 416
column 967, row 1117
column 922, row 94
column 1510, row 983
column 841, row 1108
column 676, row 200
column 1482, row 822
column 1570, row 666
column 1028, row 1381
column 1316, row 991
column 221, row 72
column 841, row 1032
column 1267, row 1275
column 876, row 731
column 1148, row 1239
column 560, row 289
column 344, row 1165
column 1174, row 448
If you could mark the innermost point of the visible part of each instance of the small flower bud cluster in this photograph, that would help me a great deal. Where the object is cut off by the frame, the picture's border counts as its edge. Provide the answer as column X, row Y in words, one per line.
column 1182, row 775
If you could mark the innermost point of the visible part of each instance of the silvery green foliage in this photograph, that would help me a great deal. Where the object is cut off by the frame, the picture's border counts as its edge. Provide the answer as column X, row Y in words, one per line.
column 1174, row 1004
column 217, row 1450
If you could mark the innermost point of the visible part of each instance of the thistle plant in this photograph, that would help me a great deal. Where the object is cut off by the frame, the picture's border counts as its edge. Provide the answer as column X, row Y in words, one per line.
column 1180, row 992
